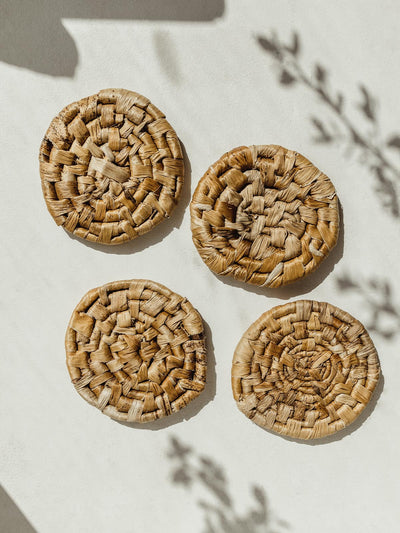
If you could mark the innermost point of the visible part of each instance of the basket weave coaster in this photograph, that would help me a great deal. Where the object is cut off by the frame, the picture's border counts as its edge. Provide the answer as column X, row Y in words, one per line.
column 264, row 215
column 304, row 369
column 136, row 350
column 111, row 167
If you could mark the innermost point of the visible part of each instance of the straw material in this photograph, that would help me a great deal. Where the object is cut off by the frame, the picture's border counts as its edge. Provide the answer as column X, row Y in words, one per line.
column 304, row 369
column 136, row 350
column 264, row 215
column 111, row 167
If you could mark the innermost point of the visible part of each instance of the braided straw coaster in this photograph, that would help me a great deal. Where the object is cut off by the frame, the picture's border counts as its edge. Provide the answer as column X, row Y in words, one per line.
column 304, row 369
column 111, row 167
column 264, row 215
column 136, row 350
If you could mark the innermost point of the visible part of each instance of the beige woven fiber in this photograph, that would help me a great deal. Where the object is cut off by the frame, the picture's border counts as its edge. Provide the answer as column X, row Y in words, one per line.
column 111, row 167
column 136, row 350
column 304, row 369
column 264, row 215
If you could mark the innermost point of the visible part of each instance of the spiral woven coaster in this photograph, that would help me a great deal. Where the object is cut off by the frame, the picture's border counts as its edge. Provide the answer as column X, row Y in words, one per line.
column 136, row 350
column 111, row 167
column 264, row 215
column 304, row 369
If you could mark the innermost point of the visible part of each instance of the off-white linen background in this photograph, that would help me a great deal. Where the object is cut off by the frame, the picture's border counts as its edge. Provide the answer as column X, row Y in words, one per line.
column 68, row 467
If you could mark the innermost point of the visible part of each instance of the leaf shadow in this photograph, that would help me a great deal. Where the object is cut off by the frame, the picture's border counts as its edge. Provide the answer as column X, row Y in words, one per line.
column 193, row 470
column 158, row 233
column 377, row 299
column 340, row 124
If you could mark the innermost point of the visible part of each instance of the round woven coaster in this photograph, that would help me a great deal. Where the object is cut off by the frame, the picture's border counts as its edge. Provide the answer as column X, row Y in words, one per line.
column 111, row 167
column 136, row 350
column 264, row 215
column 304, row 369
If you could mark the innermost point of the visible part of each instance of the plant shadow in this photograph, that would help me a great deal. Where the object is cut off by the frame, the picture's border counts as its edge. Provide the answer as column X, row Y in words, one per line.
column 377, row 299
column 158, row 233
column 193, row 470
column 340, row 126
column 195, row 406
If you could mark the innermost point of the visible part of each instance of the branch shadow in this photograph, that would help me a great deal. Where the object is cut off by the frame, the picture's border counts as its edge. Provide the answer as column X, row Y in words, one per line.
column 192, row 469
column 33, row 36
column 196, row 405
column 157, row 234
column 304, row 285
column 340, row 125
column 12, row 519
column 345, row 432
column 378, row 299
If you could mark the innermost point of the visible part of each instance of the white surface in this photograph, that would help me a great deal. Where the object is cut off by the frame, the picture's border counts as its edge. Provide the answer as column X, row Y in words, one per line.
column 68, row 467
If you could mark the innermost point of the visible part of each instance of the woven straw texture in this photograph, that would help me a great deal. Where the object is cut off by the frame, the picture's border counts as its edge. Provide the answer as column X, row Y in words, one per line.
column 264, row 215
column 136, row 350
column 304, row 369
column 111, row 167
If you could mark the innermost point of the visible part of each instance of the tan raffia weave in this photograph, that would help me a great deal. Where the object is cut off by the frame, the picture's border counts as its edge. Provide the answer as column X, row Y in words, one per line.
column 111, row 167
column 304, row 369
column 136, row 350
column 264, row 215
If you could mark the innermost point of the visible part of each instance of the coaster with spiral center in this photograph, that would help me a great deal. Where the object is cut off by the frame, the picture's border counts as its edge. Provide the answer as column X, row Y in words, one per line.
column 136, row 350
column 264, row 215
column 111, row 167
column 304, row 369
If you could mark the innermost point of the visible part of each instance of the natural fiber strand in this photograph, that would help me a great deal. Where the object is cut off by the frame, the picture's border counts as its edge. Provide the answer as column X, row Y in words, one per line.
column 264, row 215
column 304, row 369
column 111, row 167
column 136, row 350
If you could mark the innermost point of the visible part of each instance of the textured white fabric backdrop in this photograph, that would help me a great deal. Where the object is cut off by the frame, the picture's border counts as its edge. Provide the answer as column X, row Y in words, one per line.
column 68, row 467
